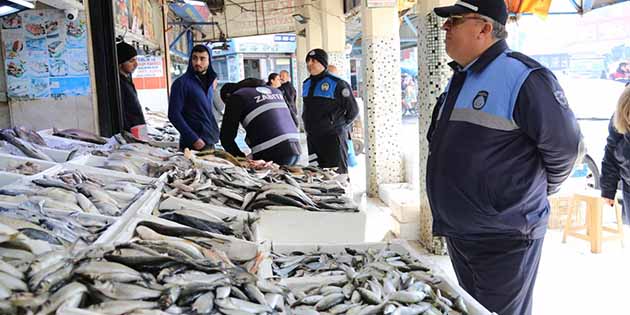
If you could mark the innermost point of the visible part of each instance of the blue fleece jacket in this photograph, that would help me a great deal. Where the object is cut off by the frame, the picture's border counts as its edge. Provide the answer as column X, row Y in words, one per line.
column 190, row 107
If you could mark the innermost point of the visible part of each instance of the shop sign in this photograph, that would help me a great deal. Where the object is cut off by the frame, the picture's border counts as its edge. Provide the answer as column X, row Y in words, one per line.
column 149, row 67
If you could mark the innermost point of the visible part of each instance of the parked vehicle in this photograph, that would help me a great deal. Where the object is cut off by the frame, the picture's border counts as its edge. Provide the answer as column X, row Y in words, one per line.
column 593, row 102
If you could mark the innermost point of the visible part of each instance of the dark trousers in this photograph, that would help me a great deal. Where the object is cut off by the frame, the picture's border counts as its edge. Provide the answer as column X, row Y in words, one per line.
column 328, row 151
column 625, row 212
column 500, row 274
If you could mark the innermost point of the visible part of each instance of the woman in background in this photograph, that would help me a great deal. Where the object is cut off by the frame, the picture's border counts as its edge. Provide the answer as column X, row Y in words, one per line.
column 616, row 163
column 274, row 80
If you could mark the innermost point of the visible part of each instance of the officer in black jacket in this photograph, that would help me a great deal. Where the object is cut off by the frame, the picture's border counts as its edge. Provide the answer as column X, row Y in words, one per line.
column 127, row 64
column 262, row 111
column 329, row 109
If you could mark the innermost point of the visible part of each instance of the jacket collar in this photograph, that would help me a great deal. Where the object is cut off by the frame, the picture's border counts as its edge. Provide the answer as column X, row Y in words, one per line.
column 485, row 59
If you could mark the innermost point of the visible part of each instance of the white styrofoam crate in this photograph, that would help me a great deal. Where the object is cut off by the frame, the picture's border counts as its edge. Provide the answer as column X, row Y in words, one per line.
column 7, row 178
column 399, row 246
column 11, row 161
column 173, row 203
column 124, row 231
column 403, row 200
column 301, row 226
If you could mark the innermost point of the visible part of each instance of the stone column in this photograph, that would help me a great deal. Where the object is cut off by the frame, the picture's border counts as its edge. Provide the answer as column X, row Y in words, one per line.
column 381, row 73
column 334, row 36
column 433, row 75
column 302, row 73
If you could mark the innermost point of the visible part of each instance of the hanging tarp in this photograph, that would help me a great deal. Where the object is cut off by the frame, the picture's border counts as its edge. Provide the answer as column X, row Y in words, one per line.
column 538, row 7
column 190, row 13
column 584, row 6
column 541, row 7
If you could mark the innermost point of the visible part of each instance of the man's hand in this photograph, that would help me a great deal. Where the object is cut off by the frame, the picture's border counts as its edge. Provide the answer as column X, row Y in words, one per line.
column 609, row 202
column 199, row 144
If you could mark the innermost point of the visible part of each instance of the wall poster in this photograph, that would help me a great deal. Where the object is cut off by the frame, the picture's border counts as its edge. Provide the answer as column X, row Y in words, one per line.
column 46, row 55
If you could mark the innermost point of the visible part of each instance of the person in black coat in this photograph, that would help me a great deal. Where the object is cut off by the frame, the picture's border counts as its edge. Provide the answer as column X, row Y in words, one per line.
column 616, row 163
column 290, row 95
column 127, row 64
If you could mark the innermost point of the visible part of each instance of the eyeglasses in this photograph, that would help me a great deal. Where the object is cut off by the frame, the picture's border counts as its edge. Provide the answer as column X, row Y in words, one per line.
column 455, row 20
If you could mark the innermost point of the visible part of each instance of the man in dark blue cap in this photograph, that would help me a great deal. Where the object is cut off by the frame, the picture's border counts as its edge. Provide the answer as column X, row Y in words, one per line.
column 502, row 138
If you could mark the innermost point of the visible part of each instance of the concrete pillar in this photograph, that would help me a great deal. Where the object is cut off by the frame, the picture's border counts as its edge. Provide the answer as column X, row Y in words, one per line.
column 313, row 28
column 300, row 55
column 381, row 78
column 433, row 75
column 334, row 36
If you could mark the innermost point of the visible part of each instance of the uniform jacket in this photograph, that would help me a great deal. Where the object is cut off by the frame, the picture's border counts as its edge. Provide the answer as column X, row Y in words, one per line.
column 190, row 108
column 502, row 138
column 266, row 118
column 329, row 106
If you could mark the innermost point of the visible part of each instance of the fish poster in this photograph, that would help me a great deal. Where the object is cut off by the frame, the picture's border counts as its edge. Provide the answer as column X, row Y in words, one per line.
column 45, row 55
column 64, row 87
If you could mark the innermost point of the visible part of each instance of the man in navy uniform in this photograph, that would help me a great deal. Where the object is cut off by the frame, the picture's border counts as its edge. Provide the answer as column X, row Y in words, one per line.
column 329, row 109
column 502, row 138
column 263, row 112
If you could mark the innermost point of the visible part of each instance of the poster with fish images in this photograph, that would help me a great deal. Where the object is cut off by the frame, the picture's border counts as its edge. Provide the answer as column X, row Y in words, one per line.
column 41, row 47
column 64, row 87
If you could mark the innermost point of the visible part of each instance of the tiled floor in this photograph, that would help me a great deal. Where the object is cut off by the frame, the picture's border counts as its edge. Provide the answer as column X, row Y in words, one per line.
column 572, row 280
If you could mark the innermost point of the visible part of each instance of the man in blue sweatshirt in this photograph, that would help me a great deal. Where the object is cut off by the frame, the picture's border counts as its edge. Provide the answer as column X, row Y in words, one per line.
column 190, row 103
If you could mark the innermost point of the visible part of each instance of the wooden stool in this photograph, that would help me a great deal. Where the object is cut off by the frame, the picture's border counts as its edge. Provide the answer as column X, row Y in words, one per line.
column 593, row 225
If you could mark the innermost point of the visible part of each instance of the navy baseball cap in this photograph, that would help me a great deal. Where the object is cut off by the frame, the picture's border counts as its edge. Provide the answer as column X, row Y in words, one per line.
column 495, row 9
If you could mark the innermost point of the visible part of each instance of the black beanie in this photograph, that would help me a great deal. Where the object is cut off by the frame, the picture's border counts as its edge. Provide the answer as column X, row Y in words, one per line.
column 320, row 55
column 125, row 52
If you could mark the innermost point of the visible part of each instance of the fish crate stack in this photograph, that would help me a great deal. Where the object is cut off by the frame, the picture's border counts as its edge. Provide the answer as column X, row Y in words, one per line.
column 404, row 202
column 381, row 277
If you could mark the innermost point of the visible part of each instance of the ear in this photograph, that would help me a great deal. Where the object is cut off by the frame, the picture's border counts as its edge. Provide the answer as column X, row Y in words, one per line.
column 486, row 30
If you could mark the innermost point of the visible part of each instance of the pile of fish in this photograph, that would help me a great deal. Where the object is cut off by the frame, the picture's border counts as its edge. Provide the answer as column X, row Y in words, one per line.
column 142, row 159
column 27, row 168
column 54, row 227
column 80, row 135
column 141, row 277
column 72, row 190
column 370, row 282
column 162, row 130
column 208, row 221
column 26, row 141
column 282, row 189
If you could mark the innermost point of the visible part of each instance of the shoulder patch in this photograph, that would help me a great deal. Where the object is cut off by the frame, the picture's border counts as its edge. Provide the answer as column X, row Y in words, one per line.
column 561, row 98
column 528, row 61
column 345, row 92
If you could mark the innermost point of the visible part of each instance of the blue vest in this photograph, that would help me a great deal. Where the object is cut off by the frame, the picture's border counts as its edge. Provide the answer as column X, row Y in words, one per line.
column 469, row 181
column 266, row 118
column 488, row 101
column 322, row 114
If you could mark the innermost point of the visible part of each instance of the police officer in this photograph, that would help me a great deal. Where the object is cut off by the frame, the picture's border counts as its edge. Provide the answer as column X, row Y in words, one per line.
column 261, row 109
column 329, row 109
column 501, row 139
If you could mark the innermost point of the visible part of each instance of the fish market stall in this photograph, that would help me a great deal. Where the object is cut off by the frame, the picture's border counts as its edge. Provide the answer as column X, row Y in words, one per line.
column 82, row 189
column 57, row 228
column 381, row 278
column 21, row 144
